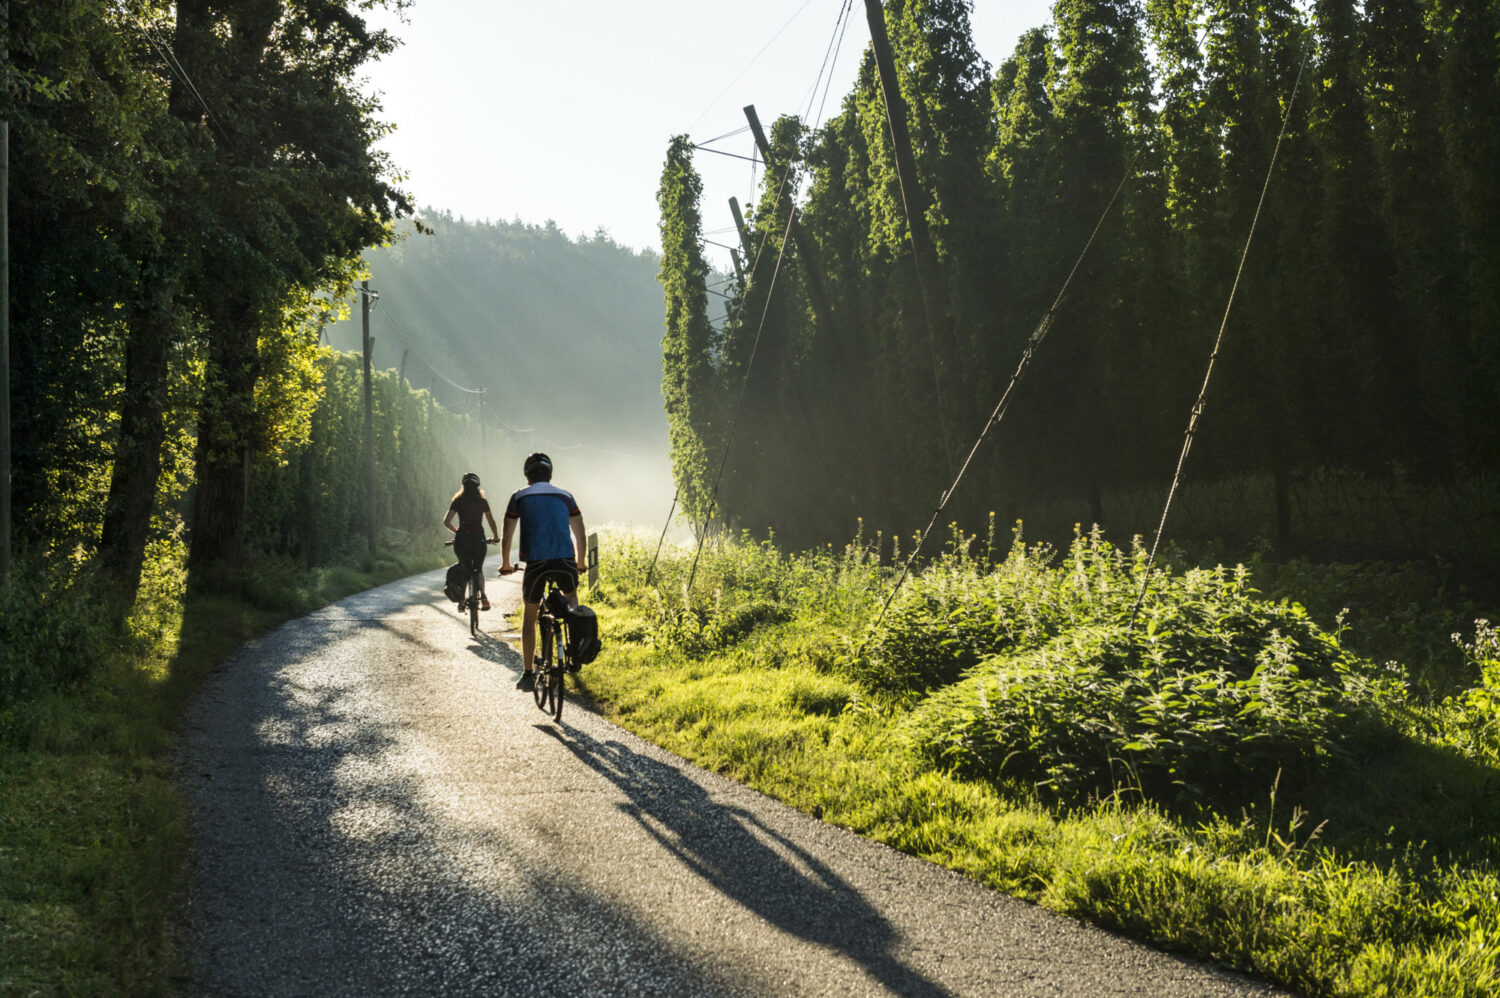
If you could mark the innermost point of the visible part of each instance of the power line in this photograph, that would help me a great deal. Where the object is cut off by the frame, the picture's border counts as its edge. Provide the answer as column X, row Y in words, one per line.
column 753, row 59
column 407, row 339
column 731, row 155
column 727, row 135
column 164, row 49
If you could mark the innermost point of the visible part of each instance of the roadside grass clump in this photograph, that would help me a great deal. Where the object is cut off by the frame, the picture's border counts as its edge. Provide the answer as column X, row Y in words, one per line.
column 1228, row 780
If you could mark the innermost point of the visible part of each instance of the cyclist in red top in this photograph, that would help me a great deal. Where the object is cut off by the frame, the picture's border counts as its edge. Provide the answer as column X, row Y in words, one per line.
column 472, row 508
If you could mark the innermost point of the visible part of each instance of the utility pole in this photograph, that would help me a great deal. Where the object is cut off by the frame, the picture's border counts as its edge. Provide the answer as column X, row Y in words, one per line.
column 365, row 295
column 401, row 374
column 816, row 292
column 483, row 453
column 914, row 201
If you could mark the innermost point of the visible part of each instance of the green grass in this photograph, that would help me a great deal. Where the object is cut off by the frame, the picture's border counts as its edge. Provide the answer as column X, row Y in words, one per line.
column 1365, row 863
column 93, row 834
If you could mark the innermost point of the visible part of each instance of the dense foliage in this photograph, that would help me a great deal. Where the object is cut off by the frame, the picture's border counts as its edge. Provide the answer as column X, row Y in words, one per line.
column 192, row 174
column 191, row 184
column 1229, row 779
column 1360, row 359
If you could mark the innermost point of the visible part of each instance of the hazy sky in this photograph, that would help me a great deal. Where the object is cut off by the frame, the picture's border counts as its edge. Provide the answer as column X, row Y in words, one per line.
column 563, row 111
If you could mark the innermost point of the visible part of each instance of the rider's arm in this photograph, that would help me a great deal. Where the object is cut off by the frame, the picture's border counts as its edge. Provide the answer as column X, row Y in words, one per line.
column 505, row 539
column 448, row 520
column 580, row 540
column 494, row 531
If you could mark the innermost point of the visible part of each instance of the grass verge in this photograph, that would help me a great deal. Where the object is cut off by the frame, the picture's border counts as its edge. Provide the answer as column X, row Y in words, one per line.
column 1369, row 868
column 93, row 833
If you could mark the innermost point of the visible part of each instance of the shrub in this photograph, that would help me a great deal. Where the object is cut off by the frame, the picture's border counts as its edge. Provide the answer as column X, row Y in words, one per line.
column 52, row 632
column 1476, row 711
column 1216, row 689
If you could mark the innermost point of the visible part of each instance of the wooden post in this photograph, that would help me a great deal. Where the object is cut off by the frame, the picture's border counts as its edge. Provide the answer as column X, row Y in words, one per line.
column 914, row 202
column 739, row 226
column 483, row 467
column 364, row 299
column 913, row 197
column 815, row 288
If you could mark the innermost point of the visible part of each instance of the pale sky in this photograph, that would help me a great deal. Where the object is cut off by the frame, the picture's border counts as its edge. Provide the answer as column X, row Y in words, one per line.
column 536, row 110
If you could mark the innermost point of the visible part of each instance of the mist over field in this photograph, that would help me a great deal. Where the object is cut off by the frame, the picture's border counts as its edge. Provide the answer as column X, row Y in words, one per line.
column 552, row 342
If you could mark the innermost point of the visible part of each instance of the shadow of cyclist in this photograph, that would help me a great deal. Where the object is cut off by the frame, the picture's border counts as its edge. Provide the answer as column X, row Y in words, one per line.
column 751, row 863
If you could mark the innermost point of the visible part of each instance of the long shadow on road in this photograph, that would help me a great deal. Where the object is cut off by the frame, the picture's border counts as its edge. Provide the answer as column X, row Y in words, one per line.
column 329, row 860
column 749, row 862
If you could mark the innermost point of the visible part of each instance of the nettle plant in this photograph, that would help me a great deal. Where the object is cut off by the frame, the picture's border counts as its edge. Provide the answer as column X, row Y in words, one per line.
column 1033, row 674
column 1478, row 708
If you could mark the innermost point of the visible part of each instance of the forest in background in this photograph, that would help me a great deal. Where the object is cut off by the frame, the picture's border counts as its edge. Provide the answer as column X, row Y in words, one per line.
column 530, row 315
column 1355, row 398
column 563, row 336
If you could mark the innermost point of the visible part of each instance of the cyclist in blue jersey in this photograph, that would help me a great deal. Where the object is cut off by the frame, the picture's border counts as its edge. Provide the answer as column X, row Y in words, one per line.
column 552, row 543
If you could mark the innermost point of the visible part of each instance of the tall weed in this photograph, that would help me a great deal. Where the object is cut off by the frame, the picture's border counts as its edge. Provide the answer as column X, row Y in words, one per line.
column 52, row 633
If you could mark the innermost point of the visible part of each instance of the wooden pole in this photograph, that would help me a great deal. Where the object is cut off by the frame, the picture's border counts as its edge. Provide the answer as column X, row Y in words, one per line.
column 914, row 202
column 401, row 374
column 364, row 299
column 739, row 226
column 816, row 291
column 483, row 452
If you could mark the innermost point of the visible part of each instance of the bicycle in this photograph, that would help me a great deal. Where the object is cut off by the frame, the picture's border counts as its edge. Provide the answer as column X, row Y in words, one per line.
column 553, row 658
column 476, row 588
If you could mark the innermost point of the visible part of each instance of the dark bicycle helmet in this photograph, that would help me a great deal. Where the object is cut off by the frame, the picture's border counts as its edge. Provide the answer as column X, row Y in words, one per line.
column 471, row 479
column 538, row 466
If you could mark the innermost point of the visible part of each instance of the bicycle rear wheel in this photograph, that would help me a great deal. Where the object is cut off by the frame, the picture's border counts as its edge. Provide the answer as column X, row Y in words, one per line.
column 475, row 584
column 555, row 678
column 542, row 691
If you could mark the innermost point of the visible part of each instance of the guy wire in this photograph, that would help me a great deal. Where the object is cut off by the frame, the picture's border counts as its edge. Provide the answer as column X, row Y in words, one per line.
column 1192, row 427
column 1000, row 407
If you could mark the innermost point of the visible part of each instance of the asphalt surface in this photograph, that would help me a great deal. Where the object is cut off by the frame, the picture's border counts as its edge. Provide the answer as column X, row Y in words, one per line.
column 380, row 812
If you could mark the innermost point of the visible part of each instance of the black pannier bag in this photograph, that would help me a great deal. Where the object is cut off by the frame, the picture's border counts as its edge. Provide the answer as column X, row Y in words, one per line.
column 457, row 582
column 583, row 635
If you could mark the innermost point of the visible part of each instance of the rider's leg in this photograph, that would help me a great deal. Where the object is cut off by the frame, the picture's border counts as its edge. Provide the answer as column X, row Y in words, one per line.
column 528, row 634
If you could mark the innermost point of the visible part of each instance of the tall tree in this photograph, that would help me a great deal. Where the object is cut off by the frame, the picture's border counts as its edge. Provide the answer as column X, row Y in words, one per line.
column 300, row 190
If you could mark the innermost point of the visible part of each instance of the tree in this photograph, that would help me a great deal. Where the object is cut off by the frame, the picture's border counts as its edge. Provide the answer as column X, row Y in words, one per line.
column 298, row 189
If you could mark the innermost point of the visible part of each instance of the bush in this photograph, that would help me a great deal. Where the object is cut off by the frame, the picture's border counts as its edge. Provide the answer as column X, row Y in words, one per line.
column 52, row 633
column 1476, row 711
column 1216, row 691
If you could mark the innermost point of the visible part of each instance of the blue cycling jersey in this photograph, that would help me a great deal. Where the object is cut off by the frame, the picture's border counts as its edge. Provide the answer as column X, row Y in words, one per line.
column 544, row 511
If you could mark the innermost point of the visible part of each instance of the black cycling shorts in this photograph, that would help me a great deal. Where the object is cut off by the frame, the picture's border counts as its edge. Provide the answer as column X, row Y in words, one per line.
column 534, row 582
column 470, row 550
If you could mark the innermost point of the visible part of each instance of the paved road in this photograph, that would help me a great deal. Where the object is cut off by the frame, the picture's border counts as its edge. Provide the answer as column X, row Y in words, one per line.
column 379, row 811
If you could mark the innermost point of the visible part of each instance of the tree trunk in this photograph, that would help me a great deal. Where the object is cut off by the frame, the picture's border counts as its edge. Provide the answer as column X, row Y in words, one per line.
column 226, row 423
column 137, row 457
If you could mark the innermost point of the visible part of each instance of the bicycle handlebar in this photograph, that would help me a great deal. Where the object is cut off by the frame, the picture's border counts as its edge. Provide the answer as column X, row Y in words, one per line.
column 449, row 544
